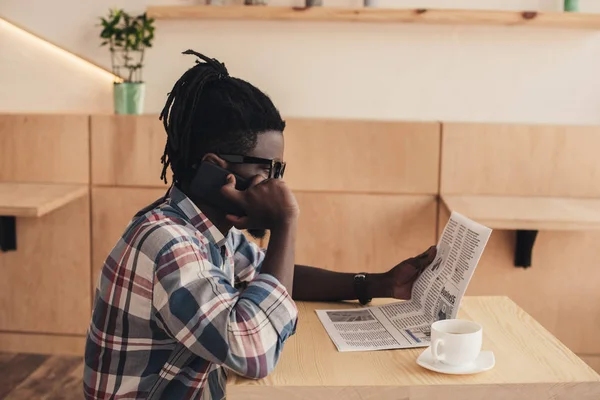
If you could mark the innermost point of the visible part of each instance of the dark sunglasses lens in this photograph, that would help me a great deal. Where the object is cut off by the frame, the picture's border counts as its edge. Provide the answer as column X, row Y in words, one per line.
column 276, row 170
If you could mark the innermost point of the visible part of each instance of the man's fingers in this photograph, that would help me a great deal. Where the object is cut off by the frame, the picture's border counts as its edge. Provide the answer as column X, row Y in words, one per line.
column 230, row 180
column 423, row 260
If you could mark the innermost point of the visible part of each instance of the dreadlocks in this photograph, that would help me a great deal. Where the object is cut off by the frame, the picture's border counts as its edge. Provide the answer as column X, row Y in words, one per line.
column 209, row 111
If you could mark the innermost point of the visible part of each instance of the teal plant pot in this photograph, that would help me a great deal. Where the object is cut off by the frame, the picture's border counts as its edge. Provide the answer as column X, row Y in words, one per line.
column 571, row 5
column 129, row 98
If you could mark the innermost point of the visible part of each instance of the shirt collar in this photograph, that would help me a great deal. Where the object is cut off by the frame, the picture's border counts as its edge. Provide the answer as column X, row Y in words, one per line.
column 178, row 200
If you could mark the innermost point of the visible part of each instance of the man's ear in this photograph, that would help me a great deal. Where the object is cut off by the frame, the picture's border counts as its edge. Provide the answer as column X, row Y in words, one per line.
column 214, row 159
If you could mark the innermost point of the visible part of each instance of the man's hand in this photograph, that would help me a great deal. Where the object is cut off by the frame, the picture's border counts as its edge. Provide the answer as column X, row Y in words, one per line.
column 268, row 204
column 401, row 278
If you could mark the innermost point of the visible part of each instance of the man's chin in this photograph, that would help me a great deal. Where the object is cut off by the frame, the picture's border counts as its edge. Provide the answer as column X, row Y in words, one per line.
column 257, row 233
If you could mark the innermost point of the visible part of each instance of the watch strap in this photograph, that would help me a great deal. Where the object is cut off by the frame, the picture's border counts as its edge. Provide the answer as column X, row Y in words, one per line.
column 360, row 288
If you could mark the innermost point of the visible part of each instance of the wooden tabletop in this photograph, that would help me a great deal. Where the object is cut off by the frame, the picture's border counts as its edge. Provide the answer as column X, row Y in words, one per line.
column 36, row 200
column 530, row 364
column 531, row 213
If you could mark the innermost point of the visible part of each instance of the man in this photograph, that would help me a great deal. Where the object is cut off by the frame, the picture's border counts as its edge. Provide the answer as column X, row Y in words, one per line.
column 184, row 296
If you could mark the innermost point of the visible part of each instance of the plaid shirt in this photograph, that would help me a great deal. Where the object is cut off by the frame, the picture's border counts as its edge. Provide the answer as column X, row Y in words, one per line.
column 167, row 314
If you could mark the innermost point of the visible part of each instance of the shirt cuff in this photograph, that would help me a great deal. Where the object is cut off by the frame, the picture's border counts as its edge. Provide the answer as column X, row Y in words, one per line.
column 273, row 299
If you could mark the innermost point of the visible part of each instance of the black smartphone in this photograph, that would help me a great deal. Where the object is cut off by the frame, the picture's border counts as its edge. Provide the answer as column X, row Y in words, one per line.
column 207, row 184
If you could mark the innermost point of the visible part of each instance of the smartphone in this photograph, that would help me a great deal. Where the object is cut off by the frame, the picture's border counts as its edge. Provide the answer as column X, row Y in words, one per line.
column 207, row 184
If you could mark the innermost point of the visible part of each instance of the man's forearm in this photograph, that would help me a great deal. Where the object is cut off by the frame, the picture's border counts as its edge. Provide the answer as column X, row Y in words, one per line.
column 315, row 284
column 279, row 258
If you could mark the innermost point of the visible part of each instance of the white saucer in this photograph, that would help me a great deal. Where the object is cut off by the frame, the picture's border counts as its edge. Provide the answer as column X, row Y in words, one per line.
column 484, row 362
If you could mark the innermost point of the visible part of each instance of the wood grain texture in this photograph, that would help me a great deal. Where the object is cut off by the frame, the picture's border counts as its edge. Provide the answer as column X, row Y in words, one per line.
column 48, row 380
column 563, row 276
column 32, row 343
column 362, row 156
column 537, row 391
column 126, row 150
column 520, row 160
column 71, row 386
column 35, row 199
column 593, row 361
column 44, row 148
column 355, row 232
column 311, row 367
column 535, row 213
column 6, row 357
column 16, row 370
column 423, row 16
column 44, row 287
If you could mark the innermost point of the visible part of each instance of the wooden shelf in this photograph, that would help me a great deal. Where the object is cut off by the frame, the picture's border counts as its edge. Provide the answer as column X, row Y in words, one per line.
column 422, row 16
column 528, row 213
column 36, row 200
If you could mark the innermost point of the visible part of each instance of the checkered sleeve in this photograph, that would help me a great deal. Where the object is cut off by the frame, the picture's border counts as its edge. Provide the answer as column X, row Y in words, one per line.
column 199, row 307
column 248, row 257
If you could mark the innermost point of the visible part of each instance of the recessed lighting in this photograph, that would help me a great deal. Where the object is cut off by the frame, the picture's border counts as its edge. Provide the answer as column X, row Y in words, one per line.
column 59, row 51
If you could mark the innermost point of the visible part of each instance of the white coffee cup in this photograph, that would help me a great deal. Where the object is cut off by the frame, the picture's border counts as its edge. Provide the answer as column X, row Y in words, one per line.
column 456, row 341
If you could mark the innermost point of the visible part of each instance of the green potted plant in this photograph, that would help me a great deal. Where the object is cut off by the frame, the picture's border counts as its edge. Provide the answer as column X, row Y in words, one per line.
column 127, row 38
column 571, row 5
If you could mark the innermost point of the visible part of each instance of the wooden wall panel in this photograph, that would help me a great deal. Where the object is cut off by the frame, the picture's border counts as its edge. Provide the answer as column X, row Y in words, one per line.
column 44, row 283
column 355, row 232
column 560, row 289
column 332, row 155
column 41, row 344
column 126, row 150
column 521, row 160
column 44, row 148
column 112, row 209
column 362, row 156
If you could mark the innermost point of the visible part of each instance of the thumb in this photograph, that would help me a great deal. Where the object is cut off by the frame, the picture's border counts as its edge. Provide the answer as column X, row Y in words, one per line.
column 424, row 260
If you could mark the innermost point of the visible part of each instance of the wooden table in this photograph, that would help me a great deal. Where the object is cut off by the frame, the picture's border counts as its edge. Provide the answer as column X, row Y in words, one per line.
column 530, row 364
column 36, row 200
column 31, row 200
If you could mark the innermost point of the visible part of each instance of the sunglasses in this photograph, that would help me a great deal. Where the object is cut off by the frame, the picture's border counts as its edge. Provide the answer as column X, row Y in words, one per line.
column 276, row 167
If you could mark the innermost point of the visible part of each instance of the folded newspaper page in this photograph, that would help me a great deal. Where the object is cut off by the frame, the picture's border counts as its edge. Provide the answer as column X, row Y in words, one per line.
column 436, row 295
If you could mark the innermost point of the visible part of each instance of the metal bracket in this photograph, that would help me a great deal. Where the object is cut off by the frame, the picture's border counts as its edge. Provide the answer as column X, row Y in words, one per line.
column 8, row 233
column 524, row 247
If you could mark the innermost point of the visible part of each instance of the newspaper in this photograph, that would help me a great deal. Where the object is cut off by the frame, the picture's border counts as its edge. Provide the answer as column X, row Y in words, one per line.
column 436, row 295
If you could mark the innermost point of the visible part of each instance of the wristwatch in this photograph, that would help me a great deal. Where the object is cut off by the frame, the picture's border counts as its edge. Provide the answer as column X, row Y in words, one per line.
column 360, row 288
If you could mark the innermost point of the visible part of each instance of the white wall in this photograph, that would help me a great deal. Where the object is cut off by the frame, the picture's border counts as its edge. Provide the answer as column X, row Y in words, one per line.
column 373, row 71
column 38, row 77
